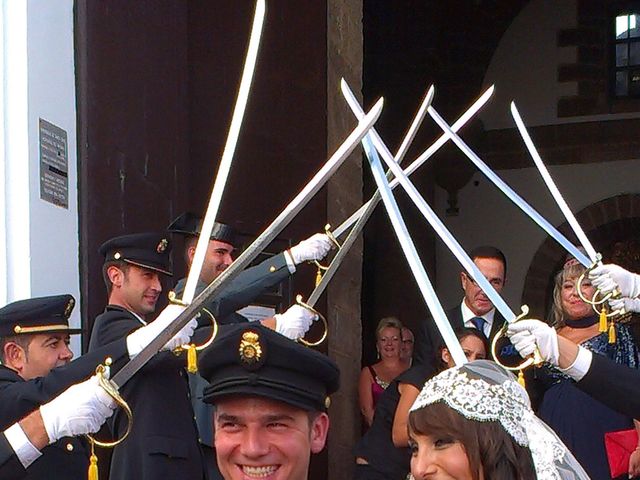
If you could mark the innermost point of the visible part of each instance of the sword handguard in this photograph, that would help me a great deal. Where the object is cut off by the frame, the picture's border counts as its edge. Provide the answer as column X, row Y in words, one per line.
column 324, row 321
column 612, row 313
column 324, row 268
column 592, row 301
column 192, row 348
column 111, row 389
column 534, row 359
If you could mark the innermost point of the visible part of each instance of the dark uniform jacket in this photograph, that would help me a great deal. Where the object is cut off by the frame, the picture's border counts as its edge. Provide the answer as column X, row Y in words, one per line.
column 243, row 289
column 10, row 466
column 615, row 385
column 68, row 458
column 163, row 442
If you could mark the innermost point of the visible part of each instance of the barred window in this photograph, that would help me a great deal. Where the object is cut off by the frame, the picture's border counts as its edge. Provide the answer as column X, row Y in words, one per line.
column 627, row 54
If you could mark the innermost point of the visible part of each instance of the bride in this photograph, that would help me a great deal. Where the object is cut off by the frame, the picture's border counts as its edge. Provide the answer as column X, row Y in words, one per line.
column 474, row 422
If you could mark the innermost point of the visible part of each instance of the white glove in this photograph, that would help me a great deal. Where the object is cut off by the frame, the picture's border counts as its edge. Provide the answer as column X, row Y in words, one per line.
column 80, row 409
column 139, row 339
column 628, row 304
column 315, row 247
column 295, row 322
column 526, row 335
column 608, row 277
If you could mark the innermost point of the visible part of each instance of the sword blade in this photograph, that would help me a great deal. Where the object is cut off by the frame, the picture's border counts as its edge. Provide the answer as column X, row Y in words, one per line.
column 370, row 206
column 264, row 239
column 443, row 232
column 509, row 192
column 227, row 154
column 428, row 153
column 411, row 254
column 555, row 193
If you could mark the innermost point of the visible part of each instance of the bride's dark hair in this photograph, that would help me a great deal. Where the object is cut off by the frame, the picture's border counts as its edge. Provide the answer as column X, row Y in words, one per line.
column 489, row 448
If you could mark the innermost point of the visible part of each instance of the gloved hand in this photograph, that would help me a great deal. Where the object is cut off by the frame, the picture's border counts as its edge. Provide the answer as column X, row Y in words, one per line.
column 525, row 335
column 139, row 339
column 628, row 304
column 608, row 277
column 295, row 322
column 315, row 247
column 80, row 409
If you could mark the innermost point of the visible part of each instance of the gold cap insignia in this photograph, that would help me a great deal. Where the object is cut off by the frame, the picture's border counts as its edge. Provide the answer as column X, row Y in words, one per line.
column 162, row 246
column 327, row 402
column 117, row 255
column 69, row 307
column 250, row 349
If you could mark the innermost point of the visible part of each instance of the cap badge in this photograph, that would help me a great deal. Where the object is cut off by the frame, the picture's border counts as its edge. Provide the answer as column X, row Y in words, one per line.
column 69, row 307
column 250, row 349
column 117, row 255
column 162, row 246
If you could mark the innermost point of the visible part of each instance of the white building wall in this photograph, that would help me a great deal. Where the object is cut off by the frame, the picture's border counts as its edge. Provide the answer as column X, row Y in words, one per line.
column 41, row 239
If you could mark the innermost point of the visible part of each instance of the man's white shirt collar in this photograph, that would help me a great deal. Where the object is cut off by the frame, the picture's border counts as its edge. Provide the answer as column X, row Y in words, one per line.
column 467, row 315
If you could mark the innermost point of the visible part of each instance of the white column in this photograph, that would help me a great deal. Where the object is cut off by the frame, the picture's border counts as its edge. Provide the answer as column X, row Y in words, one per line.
column 40, row 241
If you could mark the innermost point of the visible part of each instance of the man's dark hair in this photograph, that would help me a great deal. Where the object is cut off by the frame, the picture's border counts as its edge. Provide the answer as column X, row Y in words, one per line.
column 487, row 251
column 189, row 241
column 22, row 340
column 122, row 265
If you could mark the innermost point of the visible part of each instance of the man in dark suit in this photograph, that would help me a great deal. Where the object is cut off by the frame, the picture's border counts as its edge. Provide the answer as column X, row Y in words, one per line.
column 475, row 310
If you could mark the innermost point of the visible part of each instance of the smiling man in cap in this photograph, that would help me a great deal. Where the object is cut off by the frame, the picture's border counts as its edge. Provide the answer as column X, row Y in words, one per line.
column 240, row 292
column 163, row 442
column 35, row 334
column 271, row 396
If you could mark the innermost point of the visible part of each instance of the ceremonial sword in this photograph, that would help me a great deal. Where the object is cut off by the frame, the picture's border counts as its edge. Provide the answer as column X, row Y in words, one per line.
column 411, row 254
column 264, row 239
column 227, row 154
column 369, row 206
column 509, row 192
column 566, row 211
column 428, row 153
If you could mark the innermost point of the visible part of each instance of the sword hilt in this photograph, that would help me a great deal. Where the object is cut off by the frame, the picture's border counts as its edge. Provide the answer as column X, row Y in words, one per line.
column 593, row 301
column 533, row 359
column 324, row 268
column 320, row 316
column 112, row 390
column 192, row 348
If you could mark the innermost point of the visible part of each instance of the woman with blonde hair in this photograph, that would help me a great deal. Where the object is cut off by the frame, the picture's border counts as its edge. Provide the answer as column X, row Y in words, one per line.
column 580, row 421
column 374, row 379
